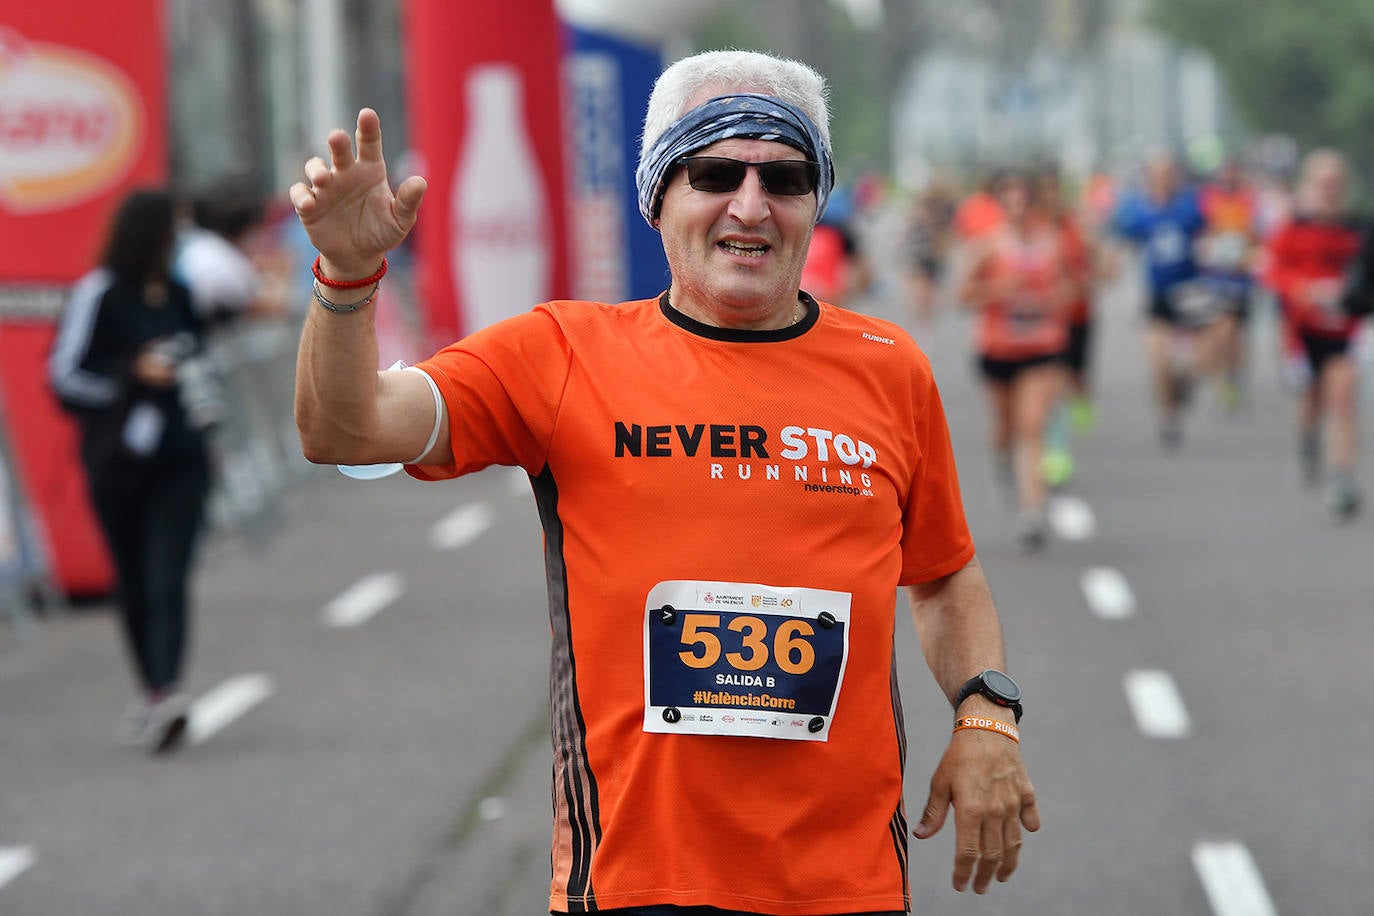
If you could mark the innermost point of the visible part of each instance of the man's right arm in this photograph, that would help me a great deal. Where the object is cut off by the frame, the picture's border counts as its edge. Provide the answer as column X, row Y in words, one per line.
column 346, row 411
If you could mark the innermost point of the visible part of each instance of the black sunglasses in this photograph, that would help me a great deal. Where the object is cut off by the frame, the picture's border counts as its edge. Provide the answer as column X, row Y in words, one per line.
column 785, row 177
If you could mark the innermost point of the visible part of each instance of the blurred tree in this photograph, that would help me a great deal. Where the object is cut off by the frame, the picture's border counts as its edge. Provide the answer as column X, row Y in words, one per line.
column 863, row 62
column 1304, row 69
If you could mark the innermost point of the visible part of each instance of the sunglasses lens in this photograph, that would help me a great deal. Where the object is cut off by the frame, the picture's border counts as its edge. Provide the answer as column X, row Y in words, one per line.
column 716, row 176
column 789, row 177
column 785, row 177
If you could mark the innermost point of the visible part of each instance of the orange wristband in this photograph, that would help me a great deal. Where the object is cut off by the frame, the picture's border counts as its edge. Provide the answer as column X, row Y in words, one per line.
column 988, row 725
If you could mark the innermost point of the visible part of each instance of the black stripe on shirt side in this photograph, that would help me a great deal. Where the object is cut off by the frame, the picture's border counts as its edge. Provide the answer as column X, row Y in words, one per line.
column 565, row 713
column 898, row 824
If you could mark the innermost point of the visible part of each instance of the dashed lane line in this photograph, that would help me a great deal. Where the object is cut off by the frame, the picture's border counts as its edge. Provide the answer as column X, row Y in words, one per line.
column 1157, row 705
column 14, row 860
column 214, row 711
column 460, row 527
column 1108, row 593
column 1232, row 881
column 363, row 600
column 1072, row 518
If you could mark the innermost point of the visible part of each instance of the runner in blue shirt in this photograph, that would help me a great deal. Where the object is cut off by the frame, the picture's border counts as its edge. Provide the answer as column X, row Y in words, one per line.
column 1165, row 221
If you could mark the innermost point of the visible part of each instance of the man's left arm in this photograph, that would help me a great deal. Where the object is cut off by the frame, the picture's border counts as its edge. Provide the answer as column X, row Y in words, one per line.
column 981, row 773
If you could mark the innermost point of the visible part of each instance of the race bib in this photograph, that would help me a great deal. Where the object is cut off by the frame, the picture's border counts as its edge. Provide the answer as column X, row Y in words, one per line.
column 1168, row 244
column 725, row 658
column 1196, row 301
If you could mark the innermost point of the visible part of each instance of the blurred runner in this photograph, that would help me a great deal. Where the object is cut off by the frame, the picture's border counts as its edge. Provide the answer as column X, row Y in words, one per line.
column 927, row 248
column 1165, row 221
column 1226, row 253
column 1075, row 408
column 1311, row 261
column 1021, row 283
column 835, row 270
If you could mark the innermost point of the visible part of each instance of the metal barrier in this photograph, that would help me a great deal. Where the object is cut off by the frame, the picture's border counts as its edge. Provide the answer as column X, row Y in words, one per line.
column 21, row 572
column 255, row 451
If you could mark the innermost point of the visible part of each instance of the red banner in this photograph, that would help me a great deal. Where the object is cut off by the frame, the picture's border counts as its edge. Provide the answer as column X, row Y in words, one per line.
column 486, row 119
column 81, row 123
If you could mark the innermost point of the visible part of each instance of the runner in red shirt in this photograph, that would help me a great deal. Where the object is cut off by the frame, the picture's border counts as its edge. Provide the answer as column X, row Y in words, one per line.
column 1309, row 265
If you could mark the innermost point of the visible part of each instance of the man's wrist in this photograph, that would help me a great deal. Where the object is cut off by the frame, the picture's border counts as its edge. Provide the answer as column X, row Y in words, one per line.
column 350, row 270
column 979, row 705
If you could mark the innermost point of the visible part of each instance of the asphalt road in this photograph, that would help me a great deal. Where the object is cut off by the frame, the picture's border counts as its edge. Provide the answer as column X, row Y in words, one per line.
column 371, row 688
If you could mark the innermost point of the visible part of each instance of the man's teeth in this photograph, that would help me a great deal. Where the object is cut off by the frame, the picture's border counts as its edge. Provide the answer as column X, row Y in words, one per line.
column 744, row 251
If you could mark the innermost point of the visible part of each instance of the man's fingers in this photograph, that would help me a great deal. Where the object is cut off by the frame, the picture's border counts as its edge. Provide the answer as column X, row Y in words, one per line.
column 369, row 136
column 1011, row 849
column 340, row 150
column 1030, row 811
column 968, row 828
column 408, row 197
column 317, row 172
column 301, row 198
column 933, row 817
column 990, row 854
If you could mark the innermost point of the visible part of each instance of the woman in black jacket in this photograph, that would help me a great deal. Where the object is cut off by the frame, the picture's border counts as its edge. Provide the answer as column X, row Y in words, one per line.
column 127, row 338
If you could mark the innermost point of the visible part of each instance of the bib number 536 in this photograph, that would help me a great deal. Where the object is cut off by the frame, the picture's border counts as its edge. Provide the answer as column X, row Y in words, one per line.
column 791, row 651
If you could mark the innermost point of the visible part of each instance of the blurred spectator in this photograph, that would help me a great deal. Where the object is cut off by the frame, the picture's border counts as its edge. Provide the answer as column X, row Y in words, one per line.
column 126, row 365
column 231, row 277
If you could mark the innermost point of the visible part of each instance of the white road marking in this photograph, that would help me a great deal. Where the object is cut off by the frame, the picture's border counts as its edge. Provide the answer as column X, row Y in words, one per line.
column 14, row 860
column 1108, row 593
column 492, row 808
column 1157, row 705
column 363, row 600
column 460, row 527
column 1072, row 518
column 1232, row 882
column 230, row 700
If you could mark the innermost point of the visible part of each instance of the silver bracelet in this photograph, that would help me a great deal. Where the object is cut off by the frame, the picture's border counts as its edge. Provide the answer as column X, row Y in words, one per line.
column 343, row 308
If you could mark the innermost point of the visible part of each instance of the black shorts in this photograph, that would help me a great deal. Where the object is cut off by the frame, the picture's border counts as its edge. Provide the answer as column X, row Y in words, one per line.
column 1005, row 371
column 1321, row 350
column 1164, row 310
column 1080, row 339
column 931, row 267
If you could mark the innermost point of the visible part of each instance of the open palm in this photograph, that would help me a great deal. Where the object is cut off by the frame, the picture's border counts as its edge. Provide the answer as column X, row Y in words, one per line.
column 348, row 209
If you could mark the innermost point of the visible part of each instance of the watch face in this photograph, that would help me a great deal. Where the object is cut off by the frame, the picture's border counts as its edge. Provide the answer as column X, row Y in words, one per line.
column 1002, row 685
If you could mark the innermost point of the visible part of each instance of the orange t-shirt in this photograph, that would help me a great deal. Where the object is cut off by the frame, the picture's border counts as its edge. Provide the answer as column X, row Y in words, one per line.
column 760, row 481
column 1027, row 323
column 979, row 215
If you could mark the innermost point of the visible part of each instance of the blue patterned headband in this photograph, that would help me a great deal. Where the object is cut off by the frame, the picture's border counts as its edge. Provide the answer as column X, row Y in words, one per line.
column 754, row 117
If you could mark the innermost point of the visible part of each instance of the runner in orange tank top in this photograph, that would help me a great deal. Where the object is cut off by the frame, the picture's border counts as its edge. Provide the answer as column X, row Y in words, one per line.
column 1021, row 283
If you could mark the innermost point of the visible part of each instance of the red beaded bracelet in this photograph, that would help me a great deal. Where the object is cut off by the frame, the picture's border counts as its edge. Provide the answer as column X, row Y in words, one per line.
column 347, row 284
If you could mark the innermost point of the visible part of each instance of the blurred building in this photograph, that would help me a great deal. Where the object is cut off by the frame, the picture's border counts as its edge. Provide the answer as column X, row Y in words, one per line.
column 257, row 84
column 994, row 95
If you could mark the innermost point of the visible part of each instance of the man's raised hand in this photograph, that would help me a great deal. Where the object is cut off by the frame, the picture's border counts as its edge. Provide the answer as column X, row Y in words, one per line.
column 347, row 207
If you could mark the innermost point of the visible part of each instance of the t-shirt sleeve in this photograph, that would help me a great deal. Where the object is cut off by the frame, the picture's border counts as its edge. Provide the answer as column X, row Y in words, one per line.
column 502, row 387
column 935, row 536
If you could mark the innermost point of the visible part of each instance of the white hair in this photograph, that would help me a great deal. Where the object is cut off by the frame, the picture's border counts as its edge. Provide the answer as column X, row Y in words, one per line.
column 692, row 80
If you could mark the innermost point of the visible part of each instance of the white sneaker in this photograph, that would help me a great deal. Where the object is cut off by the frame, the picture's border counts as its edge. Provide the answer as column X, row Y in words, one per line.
column 1031, row 530
column 167, row 721
column 133, row 724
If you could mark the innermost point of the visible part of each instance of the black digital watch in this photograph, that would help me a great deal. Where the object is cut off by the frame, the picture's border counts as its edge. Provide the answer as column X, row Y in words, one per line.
column 997, row 686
